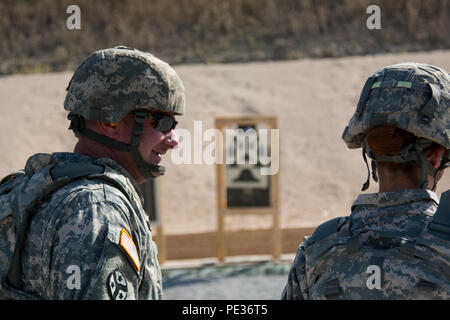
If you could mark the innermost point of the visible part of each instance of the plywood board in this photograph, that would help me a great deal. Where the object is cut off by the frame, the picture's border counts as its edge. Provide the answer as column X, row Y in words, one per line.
column 239, row 243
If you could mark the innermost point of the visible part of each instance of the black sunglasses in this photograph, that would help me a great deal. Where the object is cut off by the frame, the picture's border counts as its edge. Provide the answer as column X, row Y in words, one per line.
column 163, row 122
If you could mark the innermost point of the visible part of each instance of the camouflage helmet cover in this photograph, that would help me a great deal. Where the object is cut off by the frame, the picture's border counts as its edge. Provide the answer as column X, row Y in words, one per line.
column 411, row 96
column 112, row 82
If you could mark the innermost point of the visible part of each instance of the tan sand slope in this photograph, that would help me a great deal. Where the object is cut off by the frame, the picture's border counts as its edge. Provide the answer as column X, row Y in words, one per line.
column 313, row 99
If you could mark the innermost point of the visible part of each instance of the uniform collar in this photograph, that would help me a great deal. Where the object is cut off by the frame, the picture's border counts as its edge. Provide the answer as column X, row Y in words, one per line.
column 386, row 199
column 76, row 157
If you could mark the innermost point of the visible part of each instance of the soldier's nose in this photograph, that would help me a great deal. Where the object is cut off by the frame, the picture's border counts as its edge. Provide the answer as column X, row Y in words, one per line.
column 171, row 140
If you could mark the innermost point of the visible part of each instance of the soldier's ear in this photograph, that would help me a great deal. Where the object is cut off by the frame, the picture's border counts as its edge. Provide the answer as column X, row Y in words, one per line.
column 108, row 129
column 436, row 156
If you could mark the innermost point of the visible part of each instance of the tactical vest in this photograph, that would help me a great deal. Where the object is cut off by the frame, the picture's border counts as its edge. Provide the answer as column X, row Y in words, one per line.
column 21, row 195
column 341, row 266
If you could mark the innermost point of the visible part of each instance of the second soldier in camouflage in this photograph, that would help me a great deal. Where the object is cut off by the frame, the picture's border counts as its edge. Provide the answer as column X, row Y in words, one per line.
column 389, row 246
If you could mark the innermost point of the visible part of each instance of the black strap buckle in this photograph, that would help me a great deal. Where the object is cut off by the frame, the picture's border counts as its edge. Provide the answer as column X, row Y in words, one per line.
column 138, row 129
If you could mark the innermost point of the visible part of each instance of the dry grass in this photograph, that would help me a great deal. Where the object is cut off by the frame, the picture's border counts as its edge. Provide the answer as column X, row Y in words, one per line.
column 34, row 37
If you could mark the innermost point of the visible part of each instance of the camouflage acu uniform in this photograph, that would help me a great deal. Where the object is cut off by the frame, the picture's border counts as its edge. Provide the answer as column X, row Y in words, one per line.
column 73, row 243
column 373, row 235
column 73, row 227
column 387, row 248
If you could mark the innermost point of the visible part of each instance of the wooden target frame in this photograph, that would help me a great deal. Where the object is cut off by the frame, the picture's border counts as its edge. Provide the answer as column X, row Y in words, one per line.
column 223, row 209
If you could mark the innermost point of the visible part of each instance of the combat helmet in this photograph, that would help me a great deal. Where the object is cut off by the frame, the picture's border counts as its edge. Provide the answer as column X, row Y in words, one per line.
column 411, row 96
column 111, row 83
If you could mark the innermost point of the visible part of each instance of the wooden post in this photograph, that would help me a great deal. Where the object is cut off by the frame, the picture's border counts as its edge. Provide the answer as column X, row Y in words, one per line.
column 277, row 237
column 159, row 206
column 162, row 244
column 221, row 238
column 221, row 201
column 275, row 200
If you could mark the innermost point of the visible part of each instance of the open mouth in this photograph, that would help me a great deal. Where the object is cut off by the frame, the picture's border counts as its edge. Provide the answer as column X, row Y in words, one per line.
column 156, row 157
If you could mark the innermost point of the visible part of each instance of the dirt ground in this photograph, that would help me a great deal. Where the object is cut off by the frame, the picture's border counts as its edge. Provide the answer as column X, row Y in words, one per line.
column 313, row 100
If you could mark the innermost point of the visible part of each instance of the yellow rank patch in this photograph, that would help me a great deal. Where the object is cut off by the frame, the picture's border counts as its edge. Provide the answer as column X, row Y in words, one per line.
column 130, row 248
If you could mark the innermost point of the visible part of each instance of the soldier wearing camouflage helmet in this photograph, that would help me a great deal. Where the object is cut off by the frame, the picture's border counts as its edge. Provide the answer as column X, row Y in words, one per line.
column 78, row 229
column 392, row 245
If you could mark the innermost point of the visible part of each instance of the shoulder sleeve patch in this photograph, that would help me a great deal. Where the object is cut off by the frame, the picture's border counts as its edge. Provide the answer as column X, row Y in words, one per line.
column 127, row 244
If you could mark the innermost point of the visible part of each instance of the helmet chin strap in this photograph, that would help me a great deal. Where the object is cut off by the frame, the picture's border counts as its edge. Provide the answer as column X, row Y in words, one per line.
column 410, row 153
column 147, row 170
column 445, row 163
